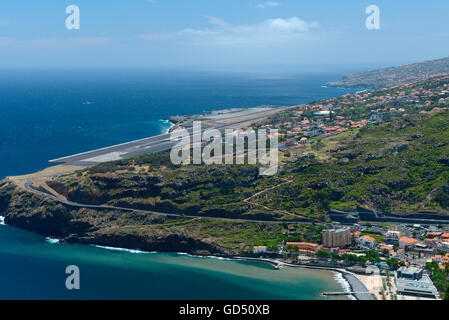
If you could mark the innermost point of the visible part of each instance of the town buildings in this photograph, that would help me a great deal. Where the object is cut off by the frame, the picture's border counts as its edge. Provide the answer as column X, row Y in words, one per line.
column 392, row 237
column 405, row 242
column 304, row 247
column 367, row 241
column 412, row 281
column 336, row 238
column 259, row 249
column 334, row 116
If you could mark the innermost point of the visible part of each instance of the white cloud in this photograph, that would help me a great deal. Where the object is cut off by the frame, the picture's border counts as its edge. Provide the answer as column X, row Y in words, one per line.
column 216, row 21
column 265, row 33
column 269, row 4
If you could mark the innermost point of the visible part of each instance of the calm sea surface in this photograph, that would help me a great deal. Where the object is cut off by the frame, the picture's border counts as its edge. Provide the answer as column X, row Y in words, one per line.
column 49, row 114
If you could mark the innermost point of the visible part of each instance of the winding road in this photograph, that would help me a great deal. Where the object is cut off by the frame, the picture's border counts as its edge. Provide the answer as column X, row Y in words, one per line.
column 28, row 186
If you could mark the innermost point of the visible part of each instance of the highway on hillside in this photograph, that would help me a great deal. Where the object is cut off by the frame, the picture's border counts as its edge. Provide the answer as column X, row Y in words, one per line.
column 47, row 195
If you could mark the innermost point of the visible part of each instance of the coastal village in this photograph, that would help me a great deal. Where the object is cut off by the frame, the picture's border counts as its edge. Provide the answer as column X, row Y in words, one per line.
column 394, row 261
column 331, row 117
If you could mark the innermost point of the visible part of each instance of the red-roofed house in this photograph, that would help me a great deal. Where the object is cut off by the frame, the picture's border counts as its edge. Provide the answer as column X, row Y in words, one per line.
column 313, row 247
column 405, row 242
column 367, row 241
column 259, row 249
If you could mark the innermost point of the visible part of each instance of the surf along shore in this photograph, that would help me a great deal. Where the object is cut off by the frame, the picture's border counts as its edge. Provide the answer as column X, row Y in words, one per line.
column 348, row 282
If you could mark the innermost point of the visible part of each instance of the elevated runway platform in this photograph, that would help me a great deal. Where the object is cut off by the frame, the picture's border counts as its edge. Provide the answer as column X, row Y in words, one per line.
column 161, row 142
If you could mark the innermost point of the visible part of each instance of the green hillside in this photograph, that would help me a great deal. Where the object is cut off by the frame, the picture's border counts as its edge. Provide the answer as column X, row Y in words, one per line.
column 393, row 76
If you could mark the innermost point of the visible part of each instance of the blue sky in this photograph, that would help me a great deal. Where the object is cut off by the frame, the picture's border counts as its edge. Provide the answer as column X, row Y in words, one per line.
column 234, row 34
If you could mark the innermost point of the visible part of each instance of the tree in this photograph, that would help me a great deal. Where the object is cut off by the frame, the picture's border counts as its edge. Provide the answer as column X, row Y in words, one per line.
column 446, row 269
column 322, row 254
column 349, row 258
column 335, row 256
column 393, row 262
column 446, row 295
column 372, row 256
column 363, row 259
column 432, row 266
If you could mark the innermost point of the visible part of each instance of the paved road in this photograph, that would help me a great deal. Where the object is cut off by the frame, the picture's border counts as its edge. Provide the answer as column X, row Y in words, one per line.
column 143, row 146
column 29, row 188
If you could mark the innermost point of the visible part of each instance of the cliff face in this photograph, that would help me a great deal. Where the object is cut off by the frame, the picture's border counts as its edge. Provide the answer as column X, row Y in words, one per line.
column 102, row 227
column 169, row 243
column 213, row 191
column 27, row 211
column 142, row 230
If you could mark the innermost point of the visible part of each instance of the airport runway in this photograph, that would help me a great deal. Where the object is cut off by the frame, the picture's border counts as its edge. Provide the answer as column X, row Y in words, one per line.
column 144, row 146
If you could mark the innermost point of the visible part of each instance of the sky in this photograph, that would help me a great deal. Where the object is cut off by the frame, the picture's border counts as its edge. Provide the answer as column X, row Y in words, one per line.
column 222, row 34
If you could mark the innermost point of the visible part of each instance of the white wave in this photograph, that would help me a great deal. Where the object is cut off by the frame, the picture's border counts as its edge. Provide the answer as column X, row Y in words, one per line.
column 338, row 276
column 123, row 249
column 2, row 220
column 185, row 254
column 219, row 258
column 52, row 240
column 169, row 123
column 198, row 256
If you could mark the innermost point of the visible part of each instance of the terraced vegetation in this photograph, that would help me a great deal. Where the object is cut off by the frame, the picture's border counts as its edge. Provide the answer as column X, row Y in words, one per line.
column 402, row 165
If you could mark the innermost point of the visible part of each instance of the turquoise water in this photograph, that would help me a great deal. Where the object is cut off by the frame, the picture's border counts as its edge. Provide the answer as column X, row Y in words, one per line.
column 33, row 268
column 44, row 115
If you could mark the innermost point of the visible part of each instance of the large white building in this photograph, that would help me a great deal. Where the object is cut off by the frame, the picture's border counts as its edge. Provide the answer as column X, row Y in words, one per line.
column 412, row 281
column 392, row 237
column 367, row 241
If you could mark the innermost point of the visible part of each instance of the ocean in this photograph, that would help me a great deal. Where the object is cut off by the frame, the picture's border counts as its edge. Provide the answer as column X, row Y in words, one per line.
column 49, row 114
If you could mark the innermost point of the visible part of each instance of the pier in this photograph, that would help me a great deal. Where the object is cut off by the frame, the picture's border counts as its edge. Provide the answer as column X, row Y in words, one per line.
column 342, row 293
